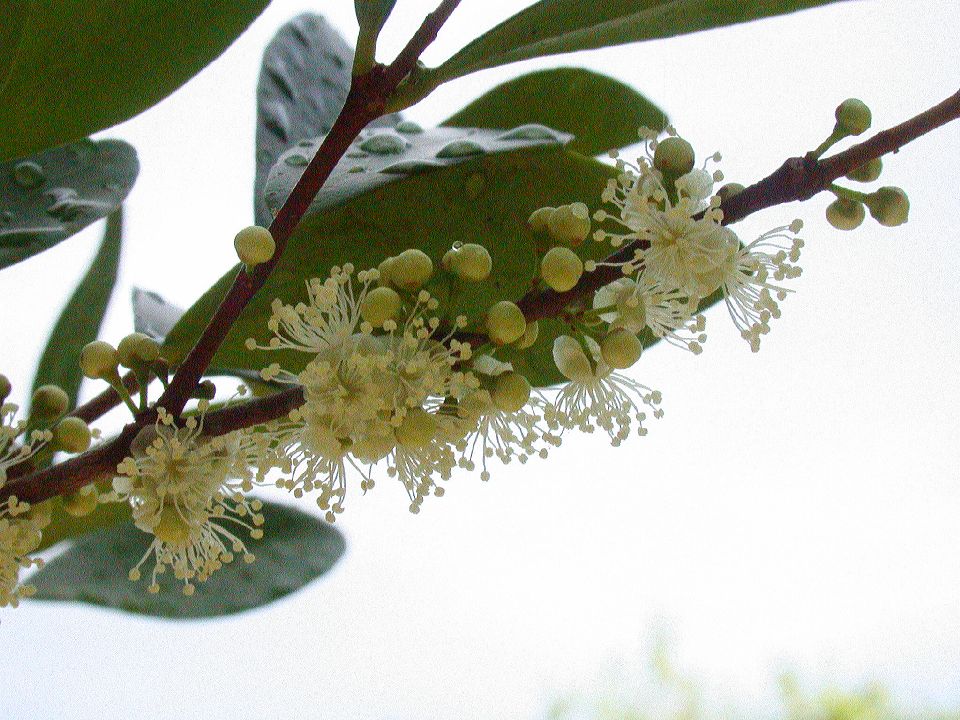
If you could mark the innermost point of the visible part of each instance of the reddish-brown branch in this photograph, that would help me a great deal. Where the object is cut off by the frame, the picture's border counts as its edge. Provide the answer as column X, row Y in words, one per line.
column 796, row 179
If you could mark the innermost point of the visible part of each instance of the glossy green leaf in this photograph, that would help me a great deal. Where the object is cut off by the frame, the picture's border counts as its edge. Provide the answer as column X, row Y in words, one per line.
column 84, row 65
column 52, row 195
column 79, row 323
column 303, row 84
column 296, row 549
column 550, row 27
column 566, row 99
column 485, row 200
column 11, row 31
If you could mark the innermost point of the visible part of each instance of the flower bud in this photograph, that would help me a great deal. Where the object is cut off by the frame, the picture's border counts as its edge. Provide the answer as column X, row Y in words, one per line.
column 571, row 360
column 471, row 262
column 505, row 323
column 889, row 206
column 529, row 336
column 561, row 268
column 867, row 172
column 137, row 350
column 379, row 305
column 385, row 268
column 83, row 502
column 71, row 435
column 674, row 157
column 511, row 391
column 853, row 116
column 569, row 224
column 254, row 245
column 845, row 214
column 620, row 349
column 729, row 190
column 172, row 528
column 98, row 360
column 539, row 217
column 5, row 387
column 417, row 429
column 411, row 269
column 49, row 403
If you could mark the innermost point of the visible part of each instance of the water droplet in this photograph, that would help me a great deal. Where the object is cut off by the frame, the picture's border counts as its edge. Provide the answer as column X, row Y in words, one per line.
column 67, row 205
column 356, row 154
column 356, row 169
column 409, row 127
column 411, row 167
column 385, row 143
column 460, row 148
column 28, row 174
column 305, row 143
column 533, row 131
column 296, row 160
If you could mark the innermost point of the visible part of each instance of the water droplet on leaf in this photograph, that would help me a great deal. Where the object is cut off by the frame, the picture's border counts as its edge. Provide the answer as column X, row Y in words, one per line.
column 532, row 131
column 460, row 148
column 385, row 143
column 28, row 174
column 296, row 160
column 409, row 127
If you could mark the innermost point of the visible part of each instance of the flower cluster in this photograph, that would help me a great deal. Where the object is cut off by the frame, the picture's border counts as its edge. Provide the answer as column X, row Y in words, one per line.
column 678, row 252
column 187, row 491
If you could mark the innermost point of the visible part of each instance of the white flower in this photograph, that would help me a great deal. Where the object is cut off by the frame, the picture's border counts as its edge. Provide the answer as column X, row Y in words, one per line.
column 187, row 491
column 12, row 453
column 20, row 533
column 595, row 396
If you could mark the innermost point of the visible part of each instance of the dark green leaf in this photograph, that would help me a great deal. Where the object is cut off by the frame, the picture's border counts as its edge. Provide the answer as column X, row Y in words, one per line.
column 79, row 324
column 303, row 84
column 550, row 27
column 11, row 31
column 485, row 200
column 55, row 194
column 296, row 549
column 84, row 65
column 566, row 99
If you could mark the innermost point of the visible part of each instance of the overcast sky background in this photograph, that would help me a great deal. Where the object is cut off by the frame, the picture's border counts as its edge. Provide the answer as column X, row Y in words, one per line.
column 797, row 508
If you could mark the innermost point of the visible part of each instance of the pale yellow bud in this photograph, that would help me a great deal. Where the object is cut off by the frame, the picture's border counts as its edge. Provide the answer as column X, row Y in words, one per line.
column 620, row 349
column 845, row 214
column 71, row 435
column 411, row 269
column 505, row 323
column 99, row 360
column 853, row 116
column 82, row 502
column 49, row 403
column 569, row 224
column 417, row 429
column 539, row 218
column 379, row 305
column 511, row 391
column 254, row 245
column 674, row 157
column 889, row 206
column 471, row 262
column 137, row 350
column 561, row 268
column 529, row 336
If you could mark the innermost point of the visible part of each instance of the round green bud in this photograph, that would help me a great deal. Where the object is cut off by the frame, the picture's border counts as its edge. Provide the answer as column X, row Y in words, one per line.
column 171, row 528
column 620, row 349
column 71, row 435
column 867, row 172
column 49, row 403
column 137, row 350
column 853, row 116
column 5, row 387
column 561, row 268
column 511, row 391
column 379, row 305
column 845, row 214
column 729, row 190
column 569, row 224
column 83, row 502
column 505, row 323
column 411, row 269
column 538, row 218
column 417, row 429
column 385, row 268
column 889, row 206
column 99, row 360
column 471, row 262
column 529, row 336
column 674, row 157
column 254, row 245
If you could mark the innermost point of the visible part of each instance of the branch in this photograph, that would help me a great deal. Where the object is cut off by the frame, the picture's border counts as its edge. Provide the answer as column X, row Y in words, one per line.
column 796, row 179
column 365, row 102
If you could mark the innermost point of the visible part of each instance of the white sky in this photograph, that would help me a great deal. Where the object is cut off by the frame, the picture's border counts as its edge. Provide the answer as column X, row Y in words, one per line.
column 793, row 509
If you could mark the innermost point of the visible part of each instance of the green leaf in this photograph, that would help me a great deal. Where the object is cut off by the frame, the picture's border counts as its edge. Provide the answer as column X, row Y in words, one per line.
column 550, row 27
column 296, row 549
column 11, row 31
column 50, row 196
column 566, row 99
column 84, row 65
column 79, row 324
column 484, row 200
column 303, row 84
